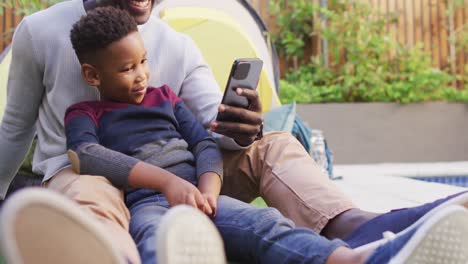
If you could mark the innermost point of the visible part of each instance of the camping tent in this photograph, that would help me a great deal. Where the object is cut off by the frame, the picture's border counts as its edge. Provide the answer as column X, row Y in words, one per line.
column 223, row 30
column 226, row 30
column 5, row 58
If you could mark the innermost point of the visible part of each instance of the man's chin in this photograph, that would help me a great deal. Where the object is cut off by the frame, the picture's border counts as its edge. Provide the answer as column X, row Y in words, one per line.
column 140, row 16
column 142, row 19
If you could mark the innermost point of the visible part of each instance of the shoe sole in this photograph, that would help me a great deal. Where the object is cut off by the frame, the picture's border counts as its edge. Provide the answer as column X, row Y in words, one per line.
column 461, row 200
column 40, row 226
column 441, row 239
column 187, row 236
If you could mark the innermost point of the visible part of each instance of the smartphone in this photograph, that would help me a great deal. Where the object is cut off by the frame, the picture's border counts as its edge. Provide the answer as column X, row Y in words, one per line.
column 245, row 73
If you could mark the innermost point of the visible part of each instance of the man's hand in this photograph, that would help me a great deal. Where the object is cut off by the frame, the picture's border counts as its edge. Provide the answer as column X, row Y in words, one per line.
column 250, row 122
column 209, row 185
column 179, row 191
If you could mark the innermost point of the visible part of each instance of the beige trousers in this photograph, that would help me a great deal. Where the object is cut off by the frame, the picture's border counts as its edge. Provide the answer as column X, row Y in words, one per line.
column 97, row 196
column 278, row 169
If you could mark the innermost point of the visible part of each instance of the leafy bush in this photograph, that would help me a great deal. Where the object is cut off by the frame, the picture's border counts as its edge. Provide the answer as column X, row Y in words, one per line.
column 364, row 64
column 22, row 8
column 295, row 24
column 26, row 7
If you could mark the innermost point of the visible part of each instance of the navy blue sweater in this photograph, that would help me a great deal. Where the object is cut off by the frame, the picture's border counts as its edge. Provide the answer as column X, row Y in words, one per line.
column 109, row 138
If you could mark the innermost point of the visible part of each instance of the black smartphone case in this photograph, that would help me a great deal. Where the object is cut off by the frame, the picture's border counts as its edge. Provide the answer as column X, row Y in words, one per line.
column 245, row 73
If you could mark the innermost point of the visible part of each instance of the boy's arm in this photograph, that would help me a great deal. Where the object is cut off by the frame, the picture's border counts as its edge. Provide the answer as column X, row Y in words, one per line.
column 209, row 185
column 175, row 189
column 124, row 171
column 89, row 157
column 208, row 158
column 209, row 171
column 85, row 152
column 207, row 154
column 24, row 95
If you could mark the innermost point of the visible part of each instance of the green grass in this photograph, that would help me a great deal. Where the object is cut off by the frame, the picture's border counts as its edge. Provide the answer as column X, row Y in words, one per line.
column 259, row 202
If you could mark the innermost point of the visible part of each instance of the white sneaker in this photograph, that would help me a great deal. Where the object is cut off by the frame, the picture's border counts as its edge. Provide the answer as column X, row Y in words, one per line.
column 187, row 236
column 39, row 226
column 460, row 200
column 443, row 238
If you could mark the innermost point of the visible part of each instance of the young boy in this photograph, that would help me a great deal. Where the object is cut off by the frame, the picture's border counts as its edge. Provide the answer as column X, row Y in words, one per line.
column 147, row 142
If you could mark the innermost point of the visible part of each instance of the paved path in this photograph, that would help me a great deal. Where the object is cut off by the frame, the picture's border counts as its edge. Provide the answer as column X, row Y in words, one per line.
column 382, row 187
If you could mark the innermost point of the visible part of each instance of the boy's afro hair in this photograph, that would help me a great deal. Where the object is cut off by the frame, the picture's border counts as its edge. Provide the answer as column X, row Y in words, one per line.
column 99, row 28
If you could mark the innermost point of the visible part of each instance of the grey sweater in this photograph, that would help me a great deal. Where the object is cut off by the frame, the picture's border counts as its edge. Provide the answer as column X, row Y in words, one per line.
column 45, row 79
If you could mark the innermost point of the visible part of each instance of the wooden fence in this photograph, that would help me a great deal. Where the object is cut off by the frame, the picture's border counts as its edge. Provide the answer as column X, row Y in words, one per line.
column 423, row 22
column 9, row 18
column 428, row 23
column 420, row 21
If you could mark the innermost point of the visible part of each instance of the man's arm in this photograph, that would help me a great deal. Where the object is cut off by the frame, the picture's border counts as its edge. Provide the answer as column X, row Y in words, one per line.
column 250, row 124
column 24, row 95
column 202, row 95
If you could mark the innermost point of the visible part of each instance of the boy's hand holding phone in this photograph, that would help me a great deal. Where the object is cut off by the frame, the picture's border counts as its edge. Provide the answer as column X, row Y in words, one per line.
column 239, row 115
column 209, row 185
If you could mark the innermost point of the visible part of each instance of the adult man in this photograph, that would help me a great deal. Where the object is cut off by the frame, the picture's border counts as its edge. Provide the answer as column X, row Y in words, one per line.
column 45, row 79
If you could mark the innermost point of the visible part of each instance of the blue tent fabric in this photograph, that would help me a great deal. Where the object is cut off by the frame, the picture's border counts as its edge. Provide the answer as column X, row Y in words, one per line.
column 284, row 118
column 330, row 162
column 280, row 118
column 302, row 132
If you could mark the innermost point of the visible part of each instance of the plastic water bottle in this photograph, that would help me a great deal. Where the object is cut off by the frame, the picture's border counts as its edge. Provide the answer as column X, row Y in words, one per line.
column 317, row 150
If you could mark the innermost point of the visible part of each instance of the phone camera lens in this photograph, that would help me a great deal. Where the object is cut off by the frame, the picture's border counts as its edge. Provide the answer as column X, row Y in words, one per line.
column 242, row 71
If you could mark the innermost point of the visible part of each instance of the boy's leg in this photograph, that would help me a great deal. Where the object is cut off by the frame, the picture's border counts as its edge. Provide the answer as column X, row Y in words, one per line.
column 145, row 218
column 278, row 169
column 263, row 235
column 102, row 201
column 176, row 235
column 186, row 235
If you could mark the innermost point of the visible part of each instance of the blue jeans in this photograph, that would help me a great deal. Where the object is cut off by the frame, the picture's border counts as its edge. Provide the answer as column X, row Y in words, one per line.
column 250, row 234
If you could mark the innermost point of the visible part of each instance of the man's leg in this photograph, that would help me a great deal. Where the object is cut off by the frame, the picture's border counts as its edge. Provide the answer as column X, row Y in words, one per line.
column 278, row 169
column 440, row 238
column 40, row 226
column 102, row 201
column 402, row 219
column 263, row 235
